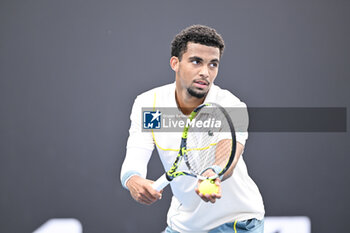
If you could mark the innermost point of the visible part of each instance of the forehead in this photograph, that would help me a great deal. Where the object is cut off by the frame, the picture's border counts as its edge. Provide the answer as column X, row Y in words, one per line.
column 203, row 51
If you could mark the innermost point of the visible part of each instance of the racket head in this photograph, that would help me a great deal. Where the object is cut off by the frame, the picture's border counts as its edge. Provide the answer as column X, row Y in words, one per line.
column 210, row 141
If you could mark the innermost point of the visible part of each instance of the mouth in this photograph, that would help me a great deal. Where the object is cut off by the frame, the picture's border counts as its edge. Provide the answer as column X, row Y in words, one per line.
column 200, row 83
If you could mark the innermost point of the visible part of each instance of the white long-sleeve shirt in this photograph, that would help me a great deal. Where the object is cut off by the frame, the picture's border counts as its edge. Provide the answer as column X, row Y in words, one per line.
column 241, row 198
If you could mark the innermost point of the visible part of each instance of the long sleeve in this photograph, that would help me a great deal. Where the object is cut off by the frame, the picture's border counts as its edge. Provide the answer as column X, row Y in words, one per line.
column 139, row 147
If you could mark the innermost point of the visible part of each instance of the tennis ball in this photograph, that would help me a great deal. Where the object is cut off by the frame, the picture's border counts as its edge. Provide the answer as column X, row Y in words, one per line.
column 208, row 187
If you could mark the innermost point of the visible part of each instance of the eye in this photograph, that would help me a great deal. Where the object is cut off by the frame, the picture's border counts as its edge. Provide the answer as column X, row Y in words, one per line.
column 213, row 64
column 196, row 62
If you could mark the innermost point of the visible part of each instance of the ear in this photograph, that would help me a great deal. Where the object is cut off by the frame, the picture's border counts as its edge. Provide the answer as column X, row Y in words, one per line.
column 174, row 63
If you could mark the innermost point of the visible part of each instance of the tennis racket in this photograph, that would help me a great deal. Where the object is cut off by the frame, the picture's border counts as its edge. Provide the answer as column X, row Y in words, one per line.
column 208, row 142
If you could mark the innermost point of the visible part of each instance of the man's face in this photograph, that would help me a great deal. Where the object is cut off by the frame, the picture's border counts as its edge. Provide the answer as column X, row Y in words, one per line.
column 197, row 69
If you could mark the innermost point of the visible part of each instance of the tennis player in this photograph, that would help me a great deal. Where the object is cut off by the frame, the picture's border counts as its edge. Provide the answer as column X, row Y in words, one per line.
column 238, row 207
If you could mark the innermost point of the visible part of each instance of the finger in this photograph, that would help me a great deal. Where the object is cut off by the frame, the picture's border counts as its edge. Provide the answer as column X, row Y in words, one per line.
column 209, row 198
column 203, row 197
column 143, row 199
column 200, row 195
column 218, row 183
column 146, row 197
column 154, row 194
column 214, row 197
column 140, row 199
column 145, row 202
column 197, row 191
column 217, row 195
column 148, row 200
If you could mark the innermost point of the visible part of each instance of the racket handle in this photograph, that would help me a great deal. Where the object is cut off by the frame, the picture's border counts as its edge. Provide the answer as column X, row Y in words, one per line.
column 160, row 183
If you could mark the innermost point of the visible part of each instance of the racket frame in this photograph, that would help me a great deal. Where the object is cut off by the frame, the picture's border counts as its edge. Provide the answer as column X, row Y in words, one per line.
column 172, row 173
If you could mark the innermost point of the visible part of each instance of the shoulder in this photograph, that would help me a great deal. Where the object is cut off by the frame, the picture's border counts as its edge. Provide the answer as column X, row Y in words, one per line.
column 226, row 98
column 148, row 97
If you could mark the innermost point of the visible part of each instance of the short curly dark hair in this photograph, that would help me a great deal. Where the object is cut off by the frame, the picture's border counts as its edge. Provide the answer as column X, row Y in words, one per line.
column 200, row 34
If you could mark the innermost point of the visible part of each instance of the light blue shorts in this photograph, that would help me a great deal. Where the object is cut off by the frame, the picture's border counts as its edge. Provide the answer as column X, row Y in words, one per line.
column 247, row 226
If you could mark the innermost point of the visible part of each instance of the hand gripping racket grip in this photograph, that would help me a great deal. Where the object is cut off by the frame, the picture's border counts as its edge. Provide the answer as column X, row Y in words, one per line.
column 160, row 183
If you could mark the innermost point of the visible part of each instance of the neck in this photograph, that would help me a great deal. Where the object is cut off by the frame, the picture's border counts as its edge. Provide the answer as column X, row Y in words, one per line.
column 187, row 103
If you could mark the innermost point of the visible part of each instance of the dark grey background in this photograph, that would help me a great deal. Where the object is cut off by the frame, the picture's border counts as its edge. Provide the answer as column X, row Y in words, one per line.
column 70, row 70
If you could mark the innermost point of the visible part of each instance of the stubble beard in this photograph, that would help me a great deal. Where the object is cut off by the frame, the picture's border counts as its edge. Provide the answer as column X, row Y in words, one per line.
column 195, row 93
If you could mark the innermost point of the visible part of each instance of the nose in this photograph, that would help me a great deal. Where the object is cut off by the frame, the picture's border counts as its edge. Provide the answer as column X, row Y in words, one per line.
column 204, row 72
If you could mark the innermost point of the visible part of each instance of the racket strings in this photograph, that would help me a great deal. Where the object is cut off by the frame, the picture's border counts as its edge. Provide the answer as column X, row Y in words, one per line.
column 208, row 146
